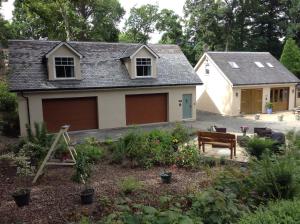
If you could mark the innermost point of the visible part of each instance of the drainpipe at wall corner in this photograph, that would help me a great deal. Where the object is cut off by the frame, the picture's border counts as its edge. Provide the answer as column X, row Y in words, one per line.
column 28, row 111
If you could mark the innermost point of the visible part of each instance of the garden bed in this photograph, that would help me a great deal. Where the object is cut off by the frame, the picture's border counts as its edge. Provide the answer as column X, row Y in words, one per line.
column 55, row 198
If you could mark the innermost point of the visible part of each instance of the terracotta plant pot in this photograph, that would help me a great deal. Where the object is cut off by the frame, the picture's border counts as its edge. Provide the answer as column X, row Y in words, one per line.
column 166, row 177
column 22, row 197
column 87, row 196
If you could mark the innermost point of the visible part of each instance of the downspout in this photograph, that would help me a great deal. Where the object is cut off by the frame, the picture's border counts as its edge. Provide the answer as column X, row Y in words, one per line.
column 28, row 111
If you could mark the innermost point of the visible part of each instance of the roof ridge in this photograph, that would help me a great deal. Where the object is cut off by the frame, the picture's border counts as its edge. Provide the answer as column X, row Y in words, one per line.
column 244, row 52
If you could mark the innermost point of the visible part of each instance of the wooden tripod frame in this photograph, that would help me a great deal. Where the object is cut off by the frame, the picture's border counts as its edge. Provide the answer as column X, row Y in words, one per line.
column 48, row 159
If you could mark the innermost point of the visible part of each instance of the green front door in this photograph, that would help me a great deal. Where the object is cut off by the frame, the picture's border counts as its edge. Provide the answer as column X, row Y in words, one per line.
column 186, row 106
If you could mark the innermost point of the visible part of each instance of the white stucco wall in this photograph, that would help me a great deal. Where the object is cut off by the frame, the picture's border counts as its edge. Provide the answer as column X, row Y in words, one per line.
column 215, row 95
column 111, row 104
column 218, row 95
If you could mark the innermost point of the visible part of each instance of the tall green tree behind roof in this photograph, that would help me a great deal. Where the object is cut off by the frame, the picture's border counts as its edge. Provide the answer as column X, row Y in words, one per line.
column 141, row 23
column 68, row 19
column 290, row 56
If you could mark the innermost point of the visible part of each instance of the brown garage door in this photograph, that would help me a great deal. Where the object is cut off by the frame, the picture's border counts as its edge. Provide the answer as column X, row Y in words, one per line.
column 251, row 101
column 80, row 113
column 146, row 108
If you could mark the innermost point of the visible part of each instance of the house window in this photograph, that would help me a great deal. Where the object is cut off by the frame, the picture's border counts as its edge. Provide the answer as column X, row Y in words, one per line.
column 270, row 65
column 298, row 93
column 143, row 67
column 64, row 67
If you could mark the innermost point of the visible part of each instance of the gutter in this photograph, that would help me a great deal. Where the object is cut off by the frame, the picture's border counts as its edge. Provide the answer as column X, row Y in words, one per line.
column 28, row 111
column 106, row 88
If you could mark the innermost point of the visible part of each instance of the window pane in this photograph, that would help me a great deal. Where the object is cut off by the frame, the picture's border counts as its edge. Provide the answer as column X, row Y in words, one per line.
column 64, row 61
column 148, row 70
column 139, row 70
column 69, row 71
column 60, row 72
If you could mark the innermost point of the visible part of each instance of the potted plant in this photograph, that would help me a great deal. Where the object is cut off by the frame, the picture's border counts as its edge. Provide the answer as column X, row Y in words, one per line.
column 82, row 175
column 166, row 177
column 22, row 196
column 244, row 130
column 257, row 116
column 269, row 107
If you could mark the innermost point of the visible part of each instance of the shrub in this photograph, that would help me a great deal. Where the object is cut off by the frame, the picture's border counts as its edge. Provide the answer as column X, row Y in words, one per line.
column 188, row 156
column 208, row 161
column 275, row 177
column 276, row 212
column 11, row 125
column 129, row 184
column 37, row 144
column 180, row 133
column 161, row 147
column 8, row 100
column 216, row 207
column 235, row 180
column 8, row 105
column 92, row 152
column 258, row 146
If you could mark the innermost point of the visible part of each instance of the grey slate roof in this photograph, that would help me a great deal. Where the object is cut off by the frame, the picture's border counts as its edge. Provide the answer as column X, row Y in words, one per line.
column 249, row 73
column 101, row 66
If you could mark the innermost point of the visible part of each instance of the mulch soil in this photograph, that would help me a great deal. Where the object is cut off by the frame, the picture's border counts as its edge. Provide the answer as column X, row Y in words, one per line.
column 56, row 198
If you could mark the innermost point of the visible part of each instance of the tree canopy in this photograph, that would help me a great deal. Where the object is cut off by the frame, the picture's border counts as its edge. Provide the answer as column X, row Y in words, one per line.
column 141, row 23
column 233, row 25
column 290, row 57
column 68, row 19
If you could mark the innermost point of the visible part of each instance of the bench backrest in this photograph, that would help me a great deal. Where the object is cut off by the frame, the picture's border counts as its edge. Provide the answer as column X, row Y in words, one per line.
column 216, row 137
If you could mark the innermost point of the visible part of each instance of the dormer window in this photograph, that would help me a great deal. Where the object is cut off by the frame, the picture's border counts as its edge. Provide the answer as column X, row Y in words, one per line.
column 143, row 67
column 64, row 68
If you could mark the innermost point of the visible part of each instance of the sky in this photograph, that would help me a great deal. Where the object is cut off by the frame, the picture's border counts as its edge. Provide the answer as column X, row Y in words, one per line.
column 176, row 5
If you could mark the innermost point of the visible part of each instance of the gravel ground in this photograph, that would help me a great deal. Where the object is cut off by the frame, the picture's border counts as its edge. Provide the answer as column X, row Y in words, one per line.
column 55, row 198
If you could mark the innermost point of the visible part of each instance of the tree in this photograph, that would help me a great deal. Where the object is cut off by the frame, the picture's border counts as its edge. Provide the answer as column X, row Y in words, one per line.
column 293, row 26
column 290, row 57
column 141, row 23
column 169, row 23
column 68, row 19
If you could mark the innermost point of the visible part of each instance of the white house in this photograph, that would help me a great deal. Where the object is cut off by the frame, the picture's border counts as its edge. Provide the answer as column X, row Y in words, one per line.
column 243, row 82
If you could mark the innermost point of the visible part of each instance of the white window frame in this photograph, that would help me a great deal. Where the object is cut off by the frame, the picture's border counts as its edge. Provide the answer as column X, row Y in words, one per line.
column 54, row 68
column 270, row 65
column 259, row 64
column 143, row 77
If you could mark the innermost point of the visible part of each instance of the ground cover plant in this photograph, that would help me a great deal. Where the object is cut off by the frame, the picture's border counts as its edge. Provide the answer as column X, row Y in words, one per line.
column 204, row 190
column 157, row 147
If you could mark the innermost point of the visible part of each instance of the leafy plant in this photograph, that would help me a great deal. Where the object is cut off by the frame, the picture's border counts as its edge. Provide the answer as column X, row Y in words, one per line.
column 216, row 207
column 258, row 146
column 147, row 214
column 93, row 152
column 188, row 156
column 82, row 168
column 180, row 133
column 269, row 105
column 276, row 212
column 276, row 177
column 129, row 184
column 8, row 100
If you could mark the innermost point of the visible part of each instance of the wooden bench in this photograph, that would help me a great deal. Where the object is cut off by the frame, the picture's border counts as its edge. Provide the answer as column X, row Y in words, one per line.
column 221, row 139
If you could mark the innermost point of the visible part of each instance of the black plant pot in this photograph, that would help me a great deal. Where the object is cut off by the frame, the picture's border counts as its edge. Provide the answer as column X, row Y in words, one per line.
column 22, row 197
column 87, row 196
column 166, row 177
